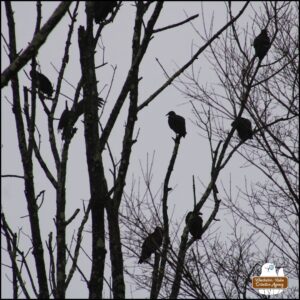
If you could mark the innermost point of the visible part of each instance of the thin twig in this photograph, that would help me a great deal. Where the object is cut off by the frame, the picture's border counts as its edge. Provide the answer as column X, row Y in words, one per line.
column 176, row 24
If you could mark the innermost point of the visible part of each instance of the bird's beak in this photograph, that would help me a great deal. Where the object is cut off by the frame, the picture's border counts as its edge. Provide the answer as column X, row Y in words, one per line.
column 167, row 114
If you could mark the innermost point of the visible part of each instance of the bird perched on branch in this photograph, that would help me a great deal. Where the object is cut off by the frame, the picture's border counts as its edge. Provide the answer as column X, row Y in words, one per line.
column 176, row 123
column 194, row 223
column 102, row 9
column 151, row 244
column 243, row 127
column 43, row 83
column 69, row 117
column 262, row 44
column 65, row 121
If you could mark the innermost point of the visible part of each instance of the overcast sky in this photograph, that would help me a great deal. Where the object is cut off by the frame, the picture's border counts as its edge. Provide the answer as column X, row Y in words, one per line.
column 172, row 48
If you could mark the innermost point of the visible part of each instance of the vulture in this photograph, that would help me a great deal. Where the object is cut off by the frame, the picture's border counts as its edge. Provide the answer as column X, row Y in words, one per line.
column 64, row 121
column 244, row 128
column 151, row 244
column 194, row 223
column 43, row 83
column 70, row 117
column 262, row 44
column 176, row 123
column 102, row 9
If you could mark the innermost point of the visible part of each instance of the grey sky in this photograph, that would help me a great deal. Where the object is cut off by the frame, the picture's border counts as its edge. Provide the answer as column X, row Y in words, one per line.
column 172, row 48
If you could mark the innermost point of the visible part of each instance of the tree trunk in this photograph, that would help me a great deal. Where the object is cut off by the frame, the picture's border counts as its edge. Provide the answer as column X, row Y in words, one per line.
column 97, row 182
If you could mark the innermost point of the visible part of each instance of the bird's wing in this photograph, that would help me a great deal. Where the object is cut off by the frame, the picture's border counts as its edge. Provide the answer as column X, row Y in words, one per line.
column 181, row 122
column 256, row 42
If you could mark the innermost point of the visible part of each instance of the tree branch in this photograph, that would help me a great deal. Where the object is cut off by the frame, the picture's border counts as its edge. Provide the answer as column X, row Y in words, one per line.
column 195, row 56
column 37, row 41
column 176, row 24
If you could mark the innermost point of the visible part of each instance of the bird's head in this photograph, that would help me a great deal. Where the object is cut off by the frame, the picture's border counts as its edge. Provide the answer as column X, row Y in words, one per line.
column 171, row 114
column 192, row 213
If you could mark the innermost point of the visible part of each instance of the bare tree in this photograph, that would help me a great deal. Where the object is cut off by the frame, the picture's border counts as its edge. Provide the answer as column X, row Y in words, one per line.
column 102, row 197
column 266, row 91
column 179, row 268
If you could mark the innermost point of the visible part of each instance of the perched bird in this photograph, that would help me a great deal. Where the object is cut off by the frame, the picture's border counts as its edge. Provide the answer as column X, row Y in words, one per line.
column 262, row 44
column 43, row 83
column 194, row 223
column 151, row 244
column 69, row 117
column 176, row 123
column 65, row 121
column 244, row 128
column 102, row 9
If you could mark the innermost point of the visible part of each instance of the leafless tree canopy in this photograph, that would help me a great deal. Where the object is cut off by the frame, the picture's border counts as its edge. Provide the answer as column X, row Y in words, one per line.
column 119, row 213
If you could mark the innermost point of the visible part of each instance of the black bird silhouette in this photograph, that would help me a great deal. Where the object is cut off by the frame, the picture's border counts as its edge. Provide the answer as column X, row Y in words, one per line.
column 176, row 123
column 69, row 117
column 65, row 121
column 102, row 9
column 194, row 223
column 244, row 128
column 262, row 44
column 152, row 243
column 43, row 83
